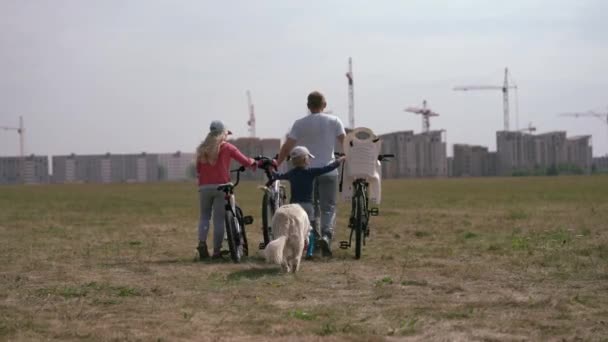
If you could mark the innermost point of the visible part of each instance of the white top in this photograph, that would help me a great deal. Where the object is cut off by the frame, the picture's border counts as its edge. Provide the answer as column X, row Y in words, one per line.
column 318, row 132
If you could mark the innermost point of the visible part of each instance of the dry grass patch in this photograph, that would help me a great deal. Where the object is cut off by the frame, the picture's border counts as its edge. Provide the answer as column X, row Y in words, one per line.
column 458, row 259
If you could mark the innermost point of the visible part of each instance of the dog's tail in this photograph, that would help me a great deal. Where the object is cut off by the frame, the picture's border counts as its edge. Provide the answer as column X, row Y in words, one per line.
column 274, row 250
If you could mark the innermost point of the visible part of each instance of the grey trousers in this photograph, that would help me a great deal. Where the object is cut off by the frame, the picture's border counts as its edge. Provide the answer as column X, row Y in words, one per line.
column 325, row 197
column 211, row 200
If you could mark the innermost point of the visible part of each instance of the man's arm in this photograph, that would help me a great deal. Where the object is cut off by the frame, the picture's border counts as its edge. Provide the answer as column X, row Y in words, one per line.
column 341, row 139
column 285, row 149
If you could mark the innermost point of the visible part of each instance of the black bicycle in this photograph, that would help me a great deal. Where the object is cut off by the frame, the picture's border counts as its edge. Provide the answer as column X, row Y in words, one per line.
column 274, row 197
column 235, row 221
column 360, row 211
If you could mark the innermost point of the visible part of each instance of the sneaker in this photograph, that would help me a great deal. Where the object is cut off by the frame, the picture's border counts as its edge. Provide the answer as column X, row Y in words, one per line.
column 324, row 245
column 219, row 256
column 203, row 253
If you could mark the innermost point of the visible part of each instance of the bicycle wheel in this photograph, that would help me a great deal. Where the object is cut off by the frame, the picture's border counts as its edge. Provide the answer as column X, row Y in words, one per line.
column 358, row 223
column 232, row 233
column 244, row 244
column 266, row 218
column 282, row 196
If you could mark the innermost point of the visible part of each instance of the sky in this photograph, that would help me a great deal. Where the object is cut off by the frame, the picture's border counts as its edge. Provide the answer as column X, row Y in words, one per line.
column 92, row 77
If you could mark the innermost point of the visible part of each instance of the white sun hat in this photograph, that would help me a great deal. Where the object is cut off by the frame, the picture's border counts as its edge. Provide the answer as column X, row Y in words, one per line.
column 300, row 151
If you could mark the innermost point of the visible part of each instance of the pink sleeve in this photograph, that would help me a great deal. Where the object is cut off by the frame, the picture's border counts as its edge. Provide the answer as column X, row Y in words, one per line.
column 238, row 156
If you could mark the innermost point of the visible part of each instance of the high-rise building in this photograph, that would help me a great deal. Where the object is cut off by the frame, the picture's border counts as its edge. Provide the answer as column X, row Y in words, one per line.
column 29, row 170
column 523, row 152
column 176, row 166
column 105, row 168
column 416, row 155
column 600, row 164
column 471, row 161
column 253, row 147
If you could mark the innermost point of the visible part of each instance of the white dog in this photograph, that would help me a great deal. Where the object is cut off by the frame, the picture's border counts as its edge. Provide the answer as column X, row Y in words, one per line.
column 291, row 228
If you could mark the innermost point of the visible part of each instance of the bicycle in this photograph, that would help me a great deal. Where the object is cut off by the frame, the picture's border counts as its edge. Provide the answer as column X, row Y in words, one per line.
column 360, row 211
column 274, row 196
column 235, row 221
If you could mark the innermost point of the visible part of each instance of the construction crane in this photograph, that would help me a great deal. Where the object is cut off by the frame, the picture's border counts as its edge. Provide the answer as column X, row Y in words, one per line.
column 351, row 94
column 505, row 94
column 251, row 121
column 603, row 117
column 528, row 129
column 21, row 131
column 426, row 115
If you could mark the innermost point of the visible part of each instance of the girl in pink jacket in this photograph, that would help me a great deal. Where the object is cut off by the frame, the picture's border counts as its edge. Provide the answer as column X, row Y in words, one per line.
column 213, row 158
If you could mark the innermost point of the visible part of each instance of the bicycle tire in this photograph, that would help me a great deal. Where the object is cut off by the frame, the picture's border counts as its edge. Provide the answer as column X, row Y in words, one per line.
column 266, row 217
column 231, row 233
column 358, row 223
column 282, row 196
column 239, row 214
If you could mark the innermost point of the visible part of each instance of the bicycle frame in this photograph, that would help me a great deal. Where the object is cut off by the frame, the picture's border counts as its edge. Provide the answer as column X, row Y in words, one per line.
column 360, row 186
column 275, row 194
column 230, row 206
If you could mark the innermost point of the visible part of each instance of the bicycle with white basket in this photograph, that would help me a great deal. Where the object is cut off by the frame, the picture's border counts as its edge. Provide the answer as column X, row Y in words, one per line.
column 360, row 199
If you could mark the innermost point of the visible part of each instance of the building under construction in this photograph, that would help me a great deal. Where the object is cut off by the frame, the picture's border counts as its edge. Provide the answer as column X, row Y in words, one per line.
column 472, row 161
column 520, row 153
column 523, row 153
column 600, row 164
column 416, row 155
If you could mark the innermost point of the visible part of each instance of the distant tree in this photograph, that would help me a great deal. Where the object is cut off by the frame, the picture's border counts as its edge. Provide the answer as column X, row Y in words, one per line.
column 552, row 171
column 162, row 173
column 191, row 172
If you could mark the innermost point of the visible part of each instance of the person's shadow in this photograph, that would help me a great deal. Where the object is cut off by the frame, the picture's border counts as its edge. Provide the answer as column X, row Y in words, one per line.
column 254, row 273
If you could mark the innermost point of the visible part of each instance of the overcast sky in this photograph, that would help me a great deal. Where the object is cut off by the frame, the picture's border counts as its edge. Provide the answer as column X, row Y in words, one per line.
column 141, row 75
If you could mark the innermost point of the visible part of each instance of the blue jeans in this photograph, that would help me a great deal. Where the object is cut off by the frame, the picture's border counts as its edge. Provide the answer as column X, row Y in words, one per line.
column 325, row 197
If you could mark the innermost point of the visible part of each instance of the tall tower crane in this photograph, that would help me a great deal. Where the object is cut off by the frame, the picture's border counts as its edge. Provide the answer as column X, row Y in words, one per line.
column 603, row 117
column 251, row 121
column 21, row 131
column 351, row 94
column 426, row 115
column 505, row 94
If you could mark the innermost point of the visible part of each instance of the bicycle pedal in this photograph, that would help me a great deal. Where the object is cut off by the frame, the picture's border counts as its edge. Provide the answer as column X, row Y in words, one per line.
column 344, row 244
column 374, row 212
column 261, row 245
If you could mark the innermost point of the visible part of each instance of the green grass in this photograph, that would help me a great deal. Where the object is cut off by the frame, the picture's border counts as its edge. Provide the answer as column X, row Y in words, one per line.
column 448, row 259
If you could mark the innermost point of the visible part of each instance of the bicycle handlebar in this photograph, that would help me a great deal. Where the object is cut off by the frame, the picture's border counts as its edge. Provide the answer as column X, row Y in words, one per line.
column 238, row 175
column 381, row 157
column 266, row 165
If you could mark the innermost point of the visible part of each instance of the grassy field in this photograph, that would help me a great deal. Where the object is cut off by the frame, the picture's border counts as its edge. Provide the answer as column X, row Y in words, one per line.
column 457, row 259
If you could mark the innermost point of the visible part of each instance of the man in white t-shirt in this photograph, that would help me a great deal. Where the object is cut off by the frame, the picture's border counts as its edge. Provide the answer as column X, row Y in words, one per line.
column 318, row 132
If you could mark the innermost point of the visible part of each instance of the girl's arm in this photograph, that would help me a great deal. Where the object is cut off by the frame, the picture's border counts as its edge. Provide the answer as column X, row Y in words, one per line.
column 239, row 157
column 317, row 171
column 281, row 176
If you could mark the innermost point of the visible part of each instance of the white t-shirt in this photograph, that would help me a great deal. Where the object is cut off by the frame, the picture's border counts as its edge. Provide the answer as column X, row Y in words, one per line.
column 318, row 132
